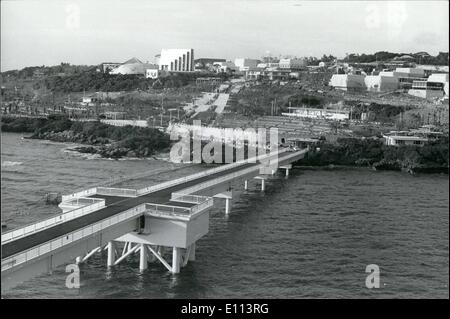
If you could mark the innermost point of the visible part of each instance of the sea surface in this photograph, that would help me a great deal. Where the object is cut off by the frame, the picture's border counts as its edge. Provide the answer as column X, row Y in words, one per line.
column 310, row 235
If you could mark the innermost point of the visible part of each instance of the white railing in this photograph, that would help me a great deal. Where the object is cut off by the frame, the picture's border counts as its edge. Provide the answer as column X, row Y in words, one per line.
column 227, row 177
column 187, row 198
column 183, row 211
column 61, row 218
column 124, row 192
column 197, row 208
column 82, row 201
column 182, row 180
column 42, row 249
column 163, row 210
column 83, row 193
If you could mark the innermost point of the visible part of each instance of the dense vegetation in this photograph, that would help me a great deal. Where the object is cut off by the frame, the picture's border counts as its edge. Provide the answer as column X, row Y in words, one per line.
column 419, row 58
column 385, row 113
column 96, row 81
column 257, row 101
column 34, row 71
column 113, row 141
column 373, row 152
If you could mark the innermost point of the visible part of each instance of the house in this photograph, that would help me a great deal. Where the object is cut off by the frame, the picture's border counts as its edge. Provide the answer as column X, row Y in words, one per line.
column 416, row 137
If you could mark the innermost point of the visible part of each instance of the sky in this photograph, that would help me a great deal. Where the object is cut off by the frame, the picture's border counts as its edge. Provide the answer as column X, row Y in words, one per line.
column 48, row 32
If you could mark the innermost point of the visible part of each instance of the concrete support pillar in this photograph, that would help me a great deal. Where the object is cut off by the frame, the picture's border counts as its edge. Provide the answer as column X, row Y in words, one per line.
column 227, row 206
column 111, row 254
column 287, row 172
column 263, row 185
column 176, row 258
column 151, row 257
column 246, row 184
column 192, row 252
column 143, row 257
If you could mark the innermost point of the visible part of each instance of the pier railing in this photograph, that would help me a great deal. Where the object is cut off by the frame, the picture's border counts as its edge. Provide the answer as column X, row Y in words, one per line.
column 67, row 239
column 124, row 192
column 188, row 198
column 230, row 176
column 197, row 208
column 96, row 204
column 181, row 180
column 83, row 193
column 177, row 211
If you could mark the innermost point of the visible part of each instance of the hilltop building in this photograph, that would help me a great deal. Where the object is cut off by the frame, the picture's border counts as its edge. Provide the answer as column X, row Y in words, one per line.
column 380, row 83
column 206, row 63
column 292, row 64
column 224, row 67
column 348, row 82
column 243, row 64
column 414, row 80
column 132, row 66
column 177, row 60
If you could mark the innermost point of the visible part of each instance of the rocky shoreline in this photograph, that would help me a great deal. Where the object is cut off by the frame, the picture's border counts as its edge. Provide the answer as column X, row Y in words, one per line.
column 104, row 147
column 373, row 154
column 106, row 140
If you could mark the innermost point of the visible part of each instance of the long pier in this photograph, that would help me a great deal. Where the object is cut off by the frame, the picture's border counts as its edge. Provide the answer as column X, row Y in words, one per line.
column 151, row 221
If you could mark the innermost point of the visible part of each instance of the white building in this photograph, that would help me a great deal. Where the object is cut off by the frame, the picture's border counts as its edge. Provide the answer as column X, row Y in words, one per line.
column 379, row 83
column 268, row 65
column 348, row 82
column 244, row 64
column 177, row 60
column 152, row 73
column 133, row 66
column 293, row 64
column 328, row 114
column 405, row 73
column 416, row 137
column 396, row 140
column 224, row 67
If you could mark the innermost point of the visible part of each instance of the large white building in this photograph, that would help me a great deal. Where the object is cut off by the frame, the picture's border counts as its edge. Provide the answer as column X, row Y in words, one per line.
column 244, row 64
column 133, row 66
column 380, row 83
column 177, row 60
column 348, row 82
column 405, row 73
column 293, row 64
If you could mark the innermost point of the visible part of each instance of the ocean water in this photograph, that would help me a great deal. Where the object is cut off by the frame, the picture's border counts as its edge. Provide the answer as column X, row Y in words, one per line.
column 308, row 236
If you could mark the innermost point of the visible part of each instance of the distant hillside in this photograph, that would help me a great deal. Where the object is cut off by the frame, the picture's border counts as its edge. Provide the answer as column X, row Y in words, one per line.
column 419, row 57
column 66, row 78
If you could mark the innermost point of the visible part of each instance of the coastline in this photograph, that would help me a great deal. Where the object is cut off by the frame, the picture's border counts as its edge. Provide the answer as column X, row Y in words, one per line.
column 92, row 137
